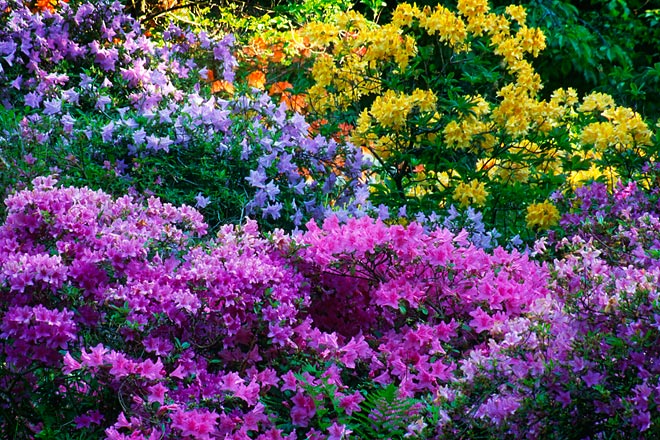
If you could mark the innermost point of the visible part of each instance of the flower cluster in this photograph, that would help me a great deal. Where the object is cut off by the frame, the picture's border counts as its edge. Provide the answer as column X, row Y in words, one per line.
column 127, row 312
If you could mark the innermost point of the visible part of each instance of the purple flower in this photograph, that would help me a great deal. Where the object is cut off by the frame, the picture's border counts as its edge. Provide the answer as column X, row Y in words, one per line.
column 33, row 99
column 102, row 101
column 272, row 210
column 592, row 378
column 107, row 131
column 52, row 106
column 201, row 201
column 257, row 178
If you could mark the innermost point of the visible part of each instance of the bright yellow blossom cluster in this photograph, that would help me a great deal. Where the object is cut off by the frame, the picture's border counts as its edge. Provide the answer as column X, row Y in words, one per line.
column 542, row 215
column 606, row 174
column 448, row 25
column 623, row 129
column 472, row 193
column 391, row 110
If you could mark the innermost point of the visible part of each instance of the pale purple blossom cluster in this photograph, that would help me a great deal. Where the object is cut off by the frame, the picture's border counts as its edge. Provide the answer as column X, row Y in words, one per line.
column 143, row 100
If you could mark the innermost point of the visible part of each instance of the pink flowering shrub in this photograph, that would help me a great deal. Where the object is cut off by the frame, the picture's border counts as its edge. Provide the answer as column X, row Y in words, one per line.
column 119, row 318
column 112, row 306
column 420, row 299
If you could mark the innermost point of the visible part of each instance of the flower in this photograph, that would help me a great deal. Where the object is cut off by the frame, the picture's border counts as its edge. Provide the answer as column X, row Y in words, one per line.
column 196, row 423
column 471, row 193
column 201, row 201
column 542, row 215
column 338, row 432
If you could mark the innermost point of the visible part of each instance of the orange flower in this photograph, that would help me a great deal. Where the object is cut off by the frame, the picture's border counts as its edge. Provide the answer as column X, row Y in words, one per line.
column 278, row 54
column 45, row 5
column 257, row 79
column 222, row 86
column 360, row 51
column 255, row 48
column 279, row 87
column 206, row 75
column 297, row 103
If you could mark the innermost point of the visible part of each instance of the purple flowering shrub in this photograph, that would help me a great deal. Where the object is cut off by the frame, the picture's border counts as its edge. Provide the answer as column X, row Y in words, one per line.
column 87, row 94
column 120, row 319
column 584, row 362
column 420, row 298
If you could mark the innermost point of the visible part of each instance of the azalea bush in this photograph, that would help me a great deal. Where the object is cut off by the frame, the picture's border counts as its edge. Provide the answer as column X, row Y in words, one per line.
column 584, row 362
column 91, row 96
column 121, row 318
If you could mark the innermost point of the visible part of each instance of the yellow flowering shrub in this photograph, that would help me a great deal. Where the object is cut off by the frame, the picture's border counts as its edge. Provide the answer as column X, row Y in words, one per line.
column 448, row 103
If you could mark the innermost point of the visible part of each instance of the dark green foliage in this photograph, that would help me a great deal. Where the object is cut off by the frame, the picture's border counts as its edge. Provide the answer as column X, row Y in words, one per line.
column 609, row 46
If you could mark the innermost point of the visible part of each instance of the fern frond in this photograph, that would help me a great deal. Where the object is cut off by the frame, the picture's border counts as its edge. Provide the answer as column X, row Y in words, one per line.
column 384, row 414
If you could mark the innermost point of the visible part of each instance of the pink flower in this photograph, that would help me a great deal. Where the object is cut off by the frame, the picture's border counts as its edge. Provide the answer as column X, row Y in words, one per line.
column 121, row 365
column 351, row 403
column 338, row 432
column 290, row 382
column 94, row 358
column 196, row 423
column 150, row 369
column 70, row 364
column 482, row 321
column 157, row 393
column 304, row 408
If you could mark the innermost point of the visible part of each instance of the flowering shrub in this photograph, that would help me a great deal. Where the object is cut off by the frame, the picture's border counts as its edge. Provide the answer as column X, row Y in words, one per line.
column 425, row 293
column 450, row 107
column 90, row 95
column 584, row 362
column 134, row 324
column 116, row 318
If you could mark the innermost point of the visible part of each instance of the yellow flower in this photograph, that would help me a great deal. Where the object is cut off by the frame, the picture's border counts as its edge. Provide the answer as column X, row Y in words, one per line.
column 472, row 8
column 471, row 193
column 323, row 70
column 480, row 106
column 425, row 100
column 404, row 15
column 542, row 215
column 596, row 102
column 455, row 135
column 450, row 27
column 531, row 40
column 391, row 109
column 321, row 34
column 567, row 97
column 517, row 12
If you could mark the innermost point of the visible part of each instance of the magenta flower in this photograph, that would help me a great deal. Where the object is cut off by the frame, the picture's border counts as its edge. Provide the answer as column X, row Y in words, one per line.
column 304, row 408
column 338, row 432
column 198, row 424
